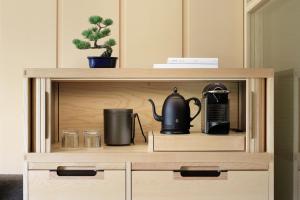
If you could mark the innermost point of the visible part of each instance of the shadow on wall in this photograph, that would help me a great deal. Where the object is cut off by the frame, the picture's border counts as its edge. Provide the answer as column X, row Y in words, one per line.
column 11, row 187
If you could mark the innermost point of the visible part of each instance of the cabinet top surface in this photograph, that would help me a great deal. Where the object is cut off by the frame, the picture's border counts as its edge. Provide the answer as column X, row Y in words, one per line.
column 148, row 74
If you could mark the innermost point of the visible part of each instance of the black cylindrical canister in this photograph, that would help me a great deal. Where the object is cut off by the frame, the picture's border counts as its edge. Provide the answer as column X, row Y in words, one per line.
column 118, row 126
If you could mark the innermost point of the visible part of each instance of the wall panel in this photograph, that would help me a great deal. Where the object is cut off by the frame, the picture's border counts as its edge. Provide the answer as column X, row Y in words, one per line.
column 151, row 31
column 215, row 29
column 27, row 39
column 73, row 19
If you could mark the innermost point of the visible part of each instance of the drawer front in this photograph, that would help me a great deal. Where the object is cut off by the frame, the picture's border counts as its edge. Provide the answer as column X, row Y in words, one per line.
column 46, row 184
column 233, row 185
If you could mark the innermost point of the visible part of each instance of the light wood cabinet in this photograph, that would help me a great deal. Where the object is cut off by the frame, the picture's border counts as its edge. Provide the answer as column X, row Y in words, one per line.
column 91, row 183
column 234, row 185
column 202, row 166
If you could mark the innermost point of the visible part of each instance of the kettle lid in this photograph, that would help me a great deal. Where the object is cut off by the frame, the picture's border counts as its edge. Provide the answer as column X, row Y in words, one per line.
column 174, row 95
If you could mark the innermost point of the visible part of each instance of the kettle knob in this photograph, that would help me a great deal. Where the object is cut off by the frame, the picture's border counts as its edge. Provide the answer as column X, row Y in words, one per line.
column 175, row 90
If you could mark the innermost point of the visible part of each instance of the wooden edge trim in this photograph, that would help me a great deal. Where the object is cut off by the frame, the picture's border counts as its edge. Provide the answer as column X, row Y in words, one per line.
column 150, row 142
column 254, row 5
column 231, row 166
column 151, row 74
column 96, row 166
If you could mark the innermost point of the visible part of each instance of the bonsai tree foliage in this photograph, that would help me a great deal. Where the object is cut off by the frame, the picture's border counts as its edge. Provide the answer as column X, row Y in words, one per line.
column 94, row 34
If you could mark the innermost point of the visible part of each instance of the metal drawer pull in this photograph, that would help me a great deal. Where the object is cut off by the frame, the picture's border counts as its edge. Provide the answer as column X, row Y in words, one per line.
column 76, row 171
column 204, row 173
column 201, row 173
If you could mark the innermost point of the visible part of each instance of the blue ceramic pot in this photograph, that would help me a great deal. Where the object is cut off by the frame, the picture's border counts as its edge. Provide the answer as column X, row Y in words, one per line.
column 102, row 62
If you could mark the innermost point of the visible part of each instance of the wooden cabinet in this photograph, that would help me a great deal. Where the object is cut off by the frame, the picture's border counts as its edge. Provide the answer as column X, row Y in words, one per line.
column 208, row 167
column 76, row 183
column 233, row 185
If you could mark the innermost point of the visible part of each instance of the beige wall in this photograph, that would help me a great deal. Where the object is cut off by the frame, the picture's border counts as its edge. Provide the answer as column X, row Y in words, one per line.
column 27, row 36
column 35, row 33
column 281, row 39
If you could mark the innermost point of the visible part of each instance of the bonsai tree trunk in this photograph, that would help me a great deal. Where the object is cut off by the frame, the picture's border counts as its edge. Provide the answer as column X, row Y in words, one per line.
column 107, row 52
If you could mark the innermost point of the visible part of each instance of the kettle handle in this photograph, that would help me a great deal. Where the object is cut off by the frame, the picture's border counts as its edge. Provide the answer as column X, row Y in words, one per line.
column 135, row 115
column 198, row 103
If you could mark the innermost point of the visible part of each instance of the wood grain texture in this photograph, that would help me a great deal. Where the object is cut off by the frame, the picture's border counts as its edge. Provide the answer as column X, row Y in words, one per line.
column 151, row 74
column 221, row 165
column 247, row 185
column 81, row 104
column 105, row 157
column 87, row 165
column 41, row 186
column 197, row 141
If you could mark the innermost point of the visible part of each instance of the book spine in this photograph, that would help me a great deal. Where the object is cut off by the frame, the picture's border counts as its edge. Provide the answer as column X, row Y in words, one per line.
column 193, row 60
column 186, row 66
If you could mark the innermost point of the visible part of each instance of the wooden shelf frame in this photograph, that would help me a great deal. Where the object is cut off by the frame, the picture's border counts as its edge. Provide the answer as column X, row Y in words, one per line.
column 259, row 95
column 149, row 74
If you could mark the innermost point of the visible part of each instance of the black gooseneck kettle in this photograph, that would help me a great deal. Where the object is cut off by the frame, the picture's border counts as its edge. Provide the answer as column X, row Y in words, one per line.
column 176, row 117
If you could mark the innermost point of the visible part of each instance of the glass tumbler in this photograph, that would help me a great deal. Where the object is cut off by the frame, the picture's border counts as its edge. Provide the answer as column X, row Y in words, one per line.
column 70, row 139
column 92, row 138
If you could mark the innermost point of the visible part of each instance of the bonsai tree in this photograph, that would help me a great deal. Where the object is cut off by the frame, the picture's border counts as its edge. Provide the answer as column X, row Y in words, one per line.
column 94, row 34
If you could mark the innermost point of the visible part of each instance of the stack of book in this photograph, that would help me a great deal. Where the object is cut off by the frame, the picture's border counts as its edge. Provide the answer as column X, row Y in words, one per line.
column 189, row 63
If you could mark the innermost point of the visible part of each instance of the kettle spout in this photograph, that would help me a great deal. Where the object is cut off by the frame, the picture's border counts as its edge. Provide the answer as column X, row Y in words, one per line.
column 155, row 115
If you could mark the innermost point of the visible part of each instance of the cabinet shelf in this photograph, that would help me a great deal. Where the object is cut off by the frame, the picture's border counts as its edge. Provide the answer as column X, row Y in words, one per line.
column 149, row 74
column 61, row 99
column 139, row 147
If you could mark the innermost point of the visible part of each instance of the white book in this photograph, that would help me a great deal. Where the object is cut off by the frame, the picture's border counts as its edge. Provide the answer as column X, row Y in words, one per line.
column 193, row 60
column 186, row 66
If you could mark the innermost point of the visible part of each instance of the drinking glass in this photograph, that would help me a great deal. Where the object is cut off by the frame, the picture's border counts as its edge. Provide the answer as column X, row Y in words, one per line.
column 92, row 138
column 70, row 139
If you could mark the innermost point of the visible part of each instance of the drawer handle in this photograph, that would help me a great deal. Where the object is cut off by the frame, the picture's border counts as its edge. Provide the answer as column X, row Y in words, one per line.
column 76, row 171
column 201, row 173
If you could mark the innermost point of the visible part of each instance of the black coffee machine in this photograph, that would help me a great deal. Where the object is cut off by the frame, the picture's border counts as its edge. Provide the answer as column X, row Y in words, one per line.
column 215, row 109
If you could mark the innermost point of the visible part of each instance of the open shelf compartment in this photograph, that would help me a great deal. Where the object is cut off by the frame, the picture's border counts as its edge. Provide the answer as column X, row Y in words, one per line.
column 77, row 101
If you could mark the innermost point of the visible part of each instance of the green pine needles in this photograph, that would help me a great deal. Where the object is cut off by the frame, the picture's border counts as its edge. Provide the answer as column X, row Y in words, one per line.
column 94, row 34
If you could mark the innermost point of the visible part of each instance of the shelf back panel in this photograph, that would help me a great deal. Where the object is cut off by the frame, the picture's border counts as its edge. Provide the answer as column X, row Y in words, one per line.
column 81, row 104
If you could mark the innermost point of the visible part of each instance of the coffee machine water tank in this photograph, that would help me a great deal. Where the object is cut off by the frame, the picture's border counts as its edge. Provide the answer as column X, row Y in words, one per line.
column 215, row 111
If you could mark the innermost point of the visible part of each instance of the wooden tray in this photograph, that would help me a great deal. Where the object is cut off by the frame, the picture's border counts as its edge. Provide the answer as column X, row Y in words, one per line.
column 196, row 142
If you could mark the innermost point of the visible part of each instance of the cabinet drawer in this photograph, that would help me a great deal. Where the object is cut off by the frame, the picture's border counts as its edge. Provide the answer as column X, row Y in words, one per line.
column 232, row 185
column 76, row 184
